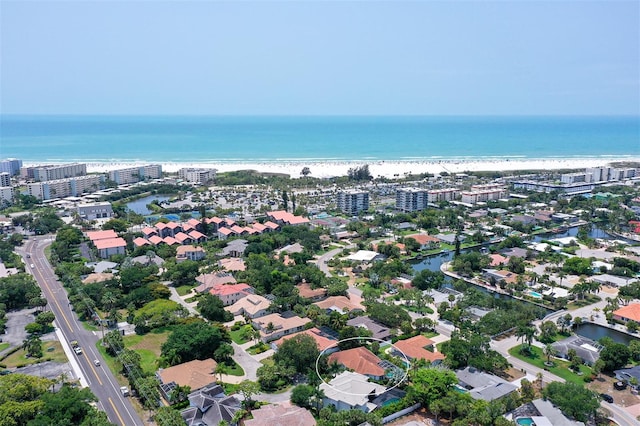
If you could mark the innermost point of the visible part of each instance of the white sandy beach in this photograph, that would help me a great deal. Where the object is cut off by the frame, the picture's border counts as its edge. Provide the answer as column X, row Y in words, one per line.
column 389, row 169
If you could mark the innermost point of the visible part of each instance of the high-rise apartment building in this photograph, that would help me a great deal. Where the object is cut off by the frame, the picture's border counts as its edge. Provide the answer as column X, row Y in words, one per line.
column 353, row 202
column 136, row 174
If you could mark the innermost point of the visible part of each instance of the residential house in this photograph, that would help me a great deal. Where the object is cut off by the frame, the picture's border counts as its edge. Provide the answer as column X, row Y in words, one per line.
column 224, row 233
column 629, row 375
column 427, row 242
column 111, row 246
column 500, row 275
column 540, row 412
column 340, row 304
column 498, row 260
column 361, row 360
column 183, row 238
column 189, row 252
column 101, row 235
column 196, row 374
column 208, row 281
column 584, row 347
column 148, row 259
column 251, row 306
column 351, row 391
column 365, row 256
column 306, row 292
column 197, row 236
column 209, row 406
column 283, row 414
column 231, row 293
column 483, row 385
column 325, row 342
column 377, row 330
column 631, row 312
column 418, row 347
column 274, row 326
column 139, row 242
column 235, row 248
column 232, row 264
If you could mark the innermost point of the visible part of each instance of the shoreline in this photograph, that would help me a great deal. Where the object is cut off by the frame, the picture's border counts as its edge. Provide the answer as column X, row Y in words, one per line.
column 377, row 168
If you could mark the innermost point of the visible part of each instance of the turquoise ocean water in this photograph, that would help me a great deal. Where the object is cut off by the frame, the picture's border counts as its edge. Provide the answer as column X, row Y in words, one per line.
column 265, row 139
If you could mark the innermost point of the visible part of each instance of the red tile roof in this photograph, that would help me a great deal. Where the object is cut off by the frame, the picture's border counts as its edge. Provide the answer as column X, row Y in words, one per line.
column 139, row 242
column 630, row 312
column 423, row 239
column 225, row 231
column 227, row 289
column 110, row 243
column 173, row 225
column 147, row 230
column 196, row 235
column 414, row 348
column 182, row 237
column 271, row 225
column 101, row 235
column 361, row 360
column 155, row 240
column 322, row 341
column 170, row 241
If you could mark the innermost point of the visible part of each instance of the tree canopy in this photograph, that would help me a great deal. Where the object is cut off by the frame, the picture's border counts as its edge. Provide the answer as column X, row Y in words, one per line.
column 195, row 340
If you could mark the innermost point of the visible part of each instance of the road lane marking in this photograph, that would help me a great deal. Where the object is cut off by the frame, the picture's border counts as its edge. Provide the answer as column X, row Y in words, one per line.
column 44, row 281
column 93, row 369
column 117, row 413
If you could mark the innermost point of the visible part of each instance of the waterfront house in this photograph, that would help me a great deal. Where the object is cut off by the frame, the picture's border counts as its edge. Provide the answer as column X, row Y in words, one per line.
column 361, row 360
column 631, row 312
column 351, row 391
column 418, row 347
column 427, row 242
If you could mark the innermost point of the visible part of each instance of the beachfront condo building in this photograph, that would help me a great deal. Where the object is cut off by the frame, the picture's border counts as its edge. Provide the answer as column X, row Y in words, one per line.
column 352, row 202
column 136, row 174
column 11, row 166
column 483, row 193
column 439, row 195
column 5, row 179
column 598, row 174
column 411, row 199
column 58, row 171
column 61, row 188
column 6, row 195
column 197, row 175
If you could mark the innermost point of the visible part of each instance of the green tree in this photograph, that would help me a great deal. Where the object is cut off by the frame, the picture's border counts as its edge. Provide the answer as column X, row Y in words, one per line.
column 212, row 308
column 615, row 356
column 430, row 384
column 299, row 352
column 248, row 389
column 574, row 400
column 195, row 340
column 427, row 279
column 167, row 416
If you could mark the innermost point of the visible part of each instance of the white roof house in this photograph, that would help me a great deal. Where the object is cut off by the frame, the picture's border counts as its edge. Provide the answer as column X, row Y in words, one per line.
column 364, row 256
column 349, row 391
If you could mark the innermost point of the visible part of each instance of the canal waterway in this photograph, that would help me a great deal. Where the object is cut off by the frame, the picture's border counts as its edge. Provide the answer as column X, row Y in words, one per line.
column 140, row 205
column 596, row 332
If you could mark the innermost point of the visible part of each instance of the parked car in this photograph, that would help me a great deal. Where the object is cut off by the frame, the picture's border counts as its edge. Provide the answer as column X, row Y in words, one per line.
column 124, row 390
column 607, row 397
column 620, row 385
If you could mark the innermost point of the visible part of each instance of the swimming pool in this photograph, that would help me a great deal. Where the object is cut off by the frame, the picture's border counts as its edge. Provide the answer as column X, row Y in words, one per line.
column 535, row 294
column 525, row 421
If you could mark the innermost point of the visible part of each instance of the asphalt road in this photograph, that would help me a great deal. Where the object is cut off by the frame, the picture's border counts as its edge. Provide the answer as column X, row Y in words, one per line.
column 99, row 378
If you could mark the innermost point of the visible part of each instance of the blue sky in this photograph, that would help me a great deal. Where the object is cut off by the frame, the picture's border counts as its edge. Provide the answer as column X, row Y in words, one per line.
column 333, row 58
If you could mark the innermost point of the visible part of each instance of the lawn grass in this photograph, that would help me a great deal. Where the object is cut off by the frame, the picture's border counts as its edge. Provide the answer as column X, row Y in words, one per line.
column 148, row 346
column 236, row 370
column 4, row 346
column 113, row 364
column 184, row 289
column 238, row 336
column 560, row 368
column 18, row 359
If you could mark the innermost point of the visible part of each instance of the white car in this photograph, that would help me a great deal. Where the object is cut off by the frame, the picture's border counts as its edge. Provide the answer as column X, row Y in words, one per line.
column 78, row 350
column 96, row 362
column 33, row 266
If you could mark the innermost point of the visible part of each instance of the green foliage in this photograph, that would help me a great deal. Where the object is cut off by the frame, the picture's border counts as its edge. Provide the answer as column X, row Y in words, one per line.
column 472, row 349
column 212, row 308
column 574, row 400
column 347, row 418
column 159, row 313
column 389, row 315
column 614, row 355
column 17, row 290
column 195, row 340
column 167, row 416
column 430, row 384
column 468, row 263
column 427, row 279
column 182, row 273
column 28, row 400
column 578, row 266
column 359, row 173
column 298, row 352
column 118, row 225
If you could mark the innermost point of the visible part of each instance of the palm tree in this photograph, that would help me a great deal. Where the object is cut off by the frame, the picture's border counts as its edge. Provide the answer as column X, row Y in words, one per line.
column 549, row 351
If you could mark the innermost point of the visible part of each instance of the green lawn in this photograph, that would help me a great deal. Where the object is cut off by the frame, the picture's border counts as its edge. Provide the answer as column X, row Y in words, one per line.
column 184, row 289
column 236, row 370
column 113, row 364
column 18, row 359
column 560, row 368
column 148, row 346
column 238, row 336
column 4, row 346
